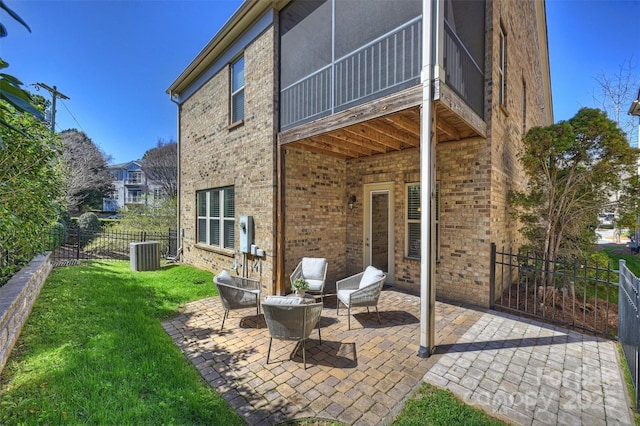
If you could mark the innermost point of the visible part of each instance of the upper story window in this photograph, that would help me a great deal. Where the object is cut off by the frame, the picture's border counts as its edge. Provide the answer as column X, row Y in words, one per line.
column 502, row 68
column 216, row 217
column 237, row 90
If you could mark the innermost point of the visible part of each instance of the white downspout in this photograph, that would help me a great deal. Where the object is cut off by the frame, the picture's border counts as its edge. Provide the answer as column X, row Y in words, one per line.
column 427, row 158
column 179, row 230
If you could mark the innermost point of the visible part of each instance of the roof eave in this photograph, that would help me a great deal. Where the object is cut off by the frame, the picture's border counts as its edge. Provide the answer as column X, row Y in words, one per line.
column 242, row 18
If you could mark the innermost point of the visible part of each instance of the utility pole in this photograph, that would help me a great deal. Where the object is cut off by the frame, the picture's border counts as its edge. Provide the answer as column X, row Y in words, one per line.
column 54, row 95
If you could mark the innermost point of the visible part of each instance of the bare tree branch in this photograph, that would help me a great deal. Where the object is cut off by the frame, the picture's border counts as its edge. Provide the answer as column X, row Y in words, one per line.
column 160, row 165
column 87, row 178
column 617, row 92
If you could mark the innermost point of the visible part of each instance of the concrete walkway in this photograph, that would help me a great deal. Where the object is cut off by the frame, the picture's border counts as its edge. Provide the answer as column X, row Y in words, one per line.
column 521, row 371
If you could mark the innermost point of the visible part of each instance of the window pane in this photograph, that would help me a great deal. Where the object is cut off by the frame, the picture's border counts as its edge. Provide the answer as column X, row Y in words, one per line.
column 237, row 106
column 214, row 232
column 229, row 229
column 413, row 202
column 229, row 204
column 214, row 204
column 202, row 230
column 202, row 203
column 238, row 74
column 414, row 240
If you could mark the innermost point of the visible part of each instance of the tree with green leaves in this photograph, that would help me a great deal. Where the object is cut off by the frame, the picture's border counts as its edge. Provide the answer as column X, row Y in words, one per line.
column 572, row 168
column 30, row 173
column 629, row 204
column 11, row 91
column 30, row 183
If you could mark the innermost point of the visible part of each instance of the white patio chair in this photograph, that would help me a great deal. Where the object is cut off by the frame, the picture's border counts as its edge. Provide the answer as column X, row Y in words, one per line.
column 237, row 293
column 314, row 271
column 362, row 289
column 289, row 318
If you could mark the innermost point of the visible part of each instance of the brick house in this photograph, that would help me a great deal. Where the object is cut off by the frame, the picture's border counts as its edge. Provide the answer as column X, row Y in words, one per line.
column 309, row 116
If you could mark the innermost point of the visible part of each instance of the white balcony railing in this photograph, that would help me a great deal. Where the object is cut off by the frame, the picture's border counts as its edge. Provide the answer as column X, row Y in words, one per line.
column 391, row 62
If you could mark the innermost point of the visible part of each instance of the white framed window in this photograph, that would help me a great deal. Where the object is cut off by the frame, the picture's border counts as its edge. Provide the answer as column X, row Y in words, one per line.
column 216, row 217
column 413, row 221
column 502, row 68
column 237, row 90
column 412, row 225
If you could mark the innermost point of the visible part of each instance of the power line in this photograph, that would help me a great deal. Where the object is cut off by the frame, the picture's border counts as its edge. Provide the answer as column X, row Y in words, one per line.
column 72, row 116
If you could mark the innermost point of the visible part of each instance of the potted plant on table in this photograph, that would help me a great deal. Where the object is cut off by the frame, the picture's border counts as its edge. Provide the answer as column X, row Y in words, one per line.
column 300, row 285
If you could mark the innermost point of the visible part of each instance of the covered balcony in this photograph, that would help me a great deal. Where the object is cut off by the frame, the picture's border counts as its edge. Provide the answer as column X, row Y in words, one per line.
column 353, row 89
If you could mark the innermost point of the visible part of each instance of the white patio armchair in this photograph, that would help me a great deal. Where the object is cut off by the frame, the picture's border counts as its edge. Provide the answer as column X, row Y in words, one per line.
column 237, row 293
column 290, row 318
column 314, row 271
column 362, row 290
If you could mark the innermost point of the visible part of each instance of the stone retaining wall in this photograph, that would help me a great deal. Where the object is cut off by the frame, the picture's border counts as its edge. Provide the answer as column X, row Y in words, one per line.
column 16, row 300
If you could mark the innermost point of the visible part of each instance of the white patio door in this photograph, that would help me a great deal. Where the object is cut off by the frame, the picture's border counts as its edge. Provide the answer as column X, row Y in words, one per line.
column 378, row 228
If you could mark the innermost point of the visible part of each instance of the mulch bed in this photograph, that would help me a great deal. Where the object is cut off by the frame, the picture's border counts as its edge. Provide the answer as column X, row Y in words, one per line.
column 558, row 307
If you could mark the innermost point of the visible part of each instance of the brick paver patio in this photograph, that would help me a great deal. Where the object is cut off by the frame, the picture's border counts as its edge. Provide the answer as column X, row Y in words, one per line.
column 363, row 376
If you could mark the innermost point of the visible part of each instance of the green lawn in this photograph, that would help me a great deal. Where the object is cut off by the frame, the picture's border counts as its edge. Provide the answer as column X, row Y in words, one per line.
column 94, row 352
column 435, row 407
column 632, row 260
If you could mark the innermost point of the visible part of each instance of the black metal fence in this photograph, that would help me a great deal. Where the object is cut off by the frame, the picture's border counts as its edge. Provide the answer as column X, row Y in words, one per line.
column 629, row 319
column 68, row 247
column 578, row 294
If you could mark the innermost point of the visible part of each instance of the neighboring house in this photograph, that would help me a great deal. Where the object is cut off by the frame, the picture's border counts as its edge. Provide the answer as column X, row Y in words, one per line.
column 131, row 187
column 311, row 117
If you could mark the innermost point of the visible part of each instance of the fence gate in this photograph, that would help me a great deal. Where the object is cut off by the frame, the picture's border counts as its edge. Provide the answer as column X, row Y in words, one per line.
column 628, row 321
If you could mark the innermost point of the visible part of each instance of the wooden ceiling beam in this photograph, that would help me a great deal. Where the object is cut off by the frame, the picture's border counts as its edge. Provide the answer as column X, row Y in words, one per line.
column 405, row 123
column 445, row 127
column 354, row 138
column 329, row 147
column 370, row 133
column 393, row 132
column 342, row 143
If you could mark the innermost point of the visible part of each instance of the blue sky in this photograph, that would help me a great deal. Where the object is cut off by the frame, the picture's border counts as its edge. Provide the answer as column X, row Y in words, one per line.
column 115, row 59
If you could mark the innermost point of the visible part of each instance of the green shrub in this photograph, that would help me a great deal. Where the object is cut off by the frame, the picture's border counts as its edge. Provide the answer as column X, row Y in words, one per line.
column 89, row 222
column 57, row 235
column 64, row 217
column 89, row 225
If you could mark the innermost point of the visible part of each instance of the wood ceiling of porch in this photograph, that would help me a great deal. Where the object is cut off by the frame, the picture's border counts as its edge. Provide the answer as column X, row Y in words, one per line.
column 393, row 132
column 381, row 135
column 385, row 125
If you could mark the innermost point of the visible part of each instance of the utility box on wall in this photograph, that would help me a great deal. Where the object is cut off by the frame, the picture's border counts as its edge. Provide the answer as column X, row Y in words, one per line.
column 246, row 233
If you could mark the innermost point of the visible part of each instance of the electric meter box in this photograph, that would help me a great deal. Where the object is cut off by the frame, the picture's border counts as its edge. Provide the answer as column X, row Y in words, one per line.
column 246, row 233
